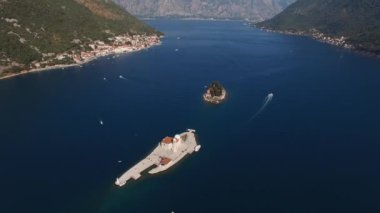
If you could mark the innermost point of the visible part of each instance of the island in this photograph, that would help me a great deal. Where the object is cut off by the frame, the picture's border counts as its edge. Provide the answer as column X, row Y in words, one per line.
column 168, row 152
column 215, row 93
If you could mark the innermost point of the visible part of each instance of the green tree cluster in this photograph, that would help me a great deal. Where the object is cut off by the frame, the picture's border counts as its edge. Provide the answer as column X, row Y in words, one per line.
column 216, row 88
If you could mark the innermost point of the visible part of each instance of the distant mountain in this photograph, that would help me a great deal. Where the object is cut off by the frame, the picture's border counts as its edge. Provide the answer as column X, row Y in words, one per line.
column 256, row 10
column 357, row 20
column 31, row 30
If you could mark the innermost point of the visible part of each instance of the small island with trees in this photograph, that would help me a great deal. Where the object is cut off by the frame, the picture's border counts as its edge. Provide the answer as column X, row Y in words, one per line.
column 215, row 93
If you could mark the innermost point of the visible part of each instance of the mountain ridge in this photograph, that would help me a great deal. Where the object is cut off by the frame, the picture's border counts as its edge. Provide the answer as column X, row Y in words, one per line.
column 255, row 10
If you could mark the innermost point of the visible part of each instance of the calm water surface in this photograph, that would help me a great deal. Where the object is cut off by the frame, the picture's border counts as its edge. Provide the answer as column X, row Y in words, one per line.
column 315, row 147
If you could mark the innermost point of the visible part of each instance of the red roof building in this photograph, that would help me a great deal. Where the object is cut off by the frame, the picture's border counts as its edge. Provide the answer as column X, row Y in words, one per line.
column 164, row 161
column 167, row 140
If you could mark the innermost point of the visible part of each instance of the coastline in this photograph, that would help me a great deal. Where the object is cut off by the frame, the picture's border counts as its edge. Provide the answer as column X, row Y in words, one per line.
column 90, row 56
column 340, row 42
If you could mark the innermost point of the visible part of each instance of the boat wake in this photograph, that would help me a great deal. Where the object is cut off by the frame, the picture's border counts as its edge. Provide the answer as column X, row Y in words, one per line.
column 266, row 102
column 122, row 77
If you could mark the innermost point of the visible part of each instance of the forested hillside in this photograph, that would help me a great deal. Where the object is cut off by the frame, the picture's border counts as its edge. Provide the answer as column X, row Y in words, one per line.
column 357, row 20
column 33, row 30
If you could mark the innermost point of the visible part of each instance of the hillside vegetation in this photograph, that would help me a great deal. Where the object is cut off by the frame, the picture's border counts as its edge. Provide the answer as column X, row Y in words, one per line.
column 357, row 20
column 33, row 29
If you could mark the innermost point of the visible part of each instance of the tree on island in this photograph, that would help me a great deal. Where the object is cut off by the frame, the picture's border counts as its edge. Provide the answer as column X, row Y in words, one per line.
column 216, row 89
column 215, row 93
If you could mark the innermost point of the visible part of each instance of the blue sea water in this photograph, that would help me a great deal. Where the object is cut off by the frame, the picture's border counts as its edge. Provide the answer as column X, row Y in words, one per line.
column 314, row 148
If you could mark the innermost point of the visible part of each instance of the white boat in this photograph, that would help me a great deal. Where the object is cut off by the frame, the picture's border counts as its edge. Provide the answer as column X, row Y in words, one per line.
column 101, row 122
column 191, row 130
column 197, row 148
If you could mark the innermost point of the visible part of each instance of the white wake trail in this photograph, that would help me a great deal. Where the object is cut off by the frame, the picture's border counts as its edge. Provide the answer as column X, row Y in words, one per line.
column 266, row 102
column 122, row 77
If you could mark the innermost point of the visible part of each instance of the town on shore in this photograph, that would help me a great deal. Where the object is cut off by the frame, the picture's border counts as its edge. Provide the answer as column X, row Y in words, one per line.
column 319, row 36
column 115, row 45
column 340, row 41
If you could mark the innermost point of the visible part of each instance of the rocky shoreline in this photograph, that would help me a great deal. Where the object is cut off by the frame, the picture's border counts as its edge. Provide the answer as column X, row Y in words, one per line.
column 116, row 45
column 321, row 37
column 215, row 99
